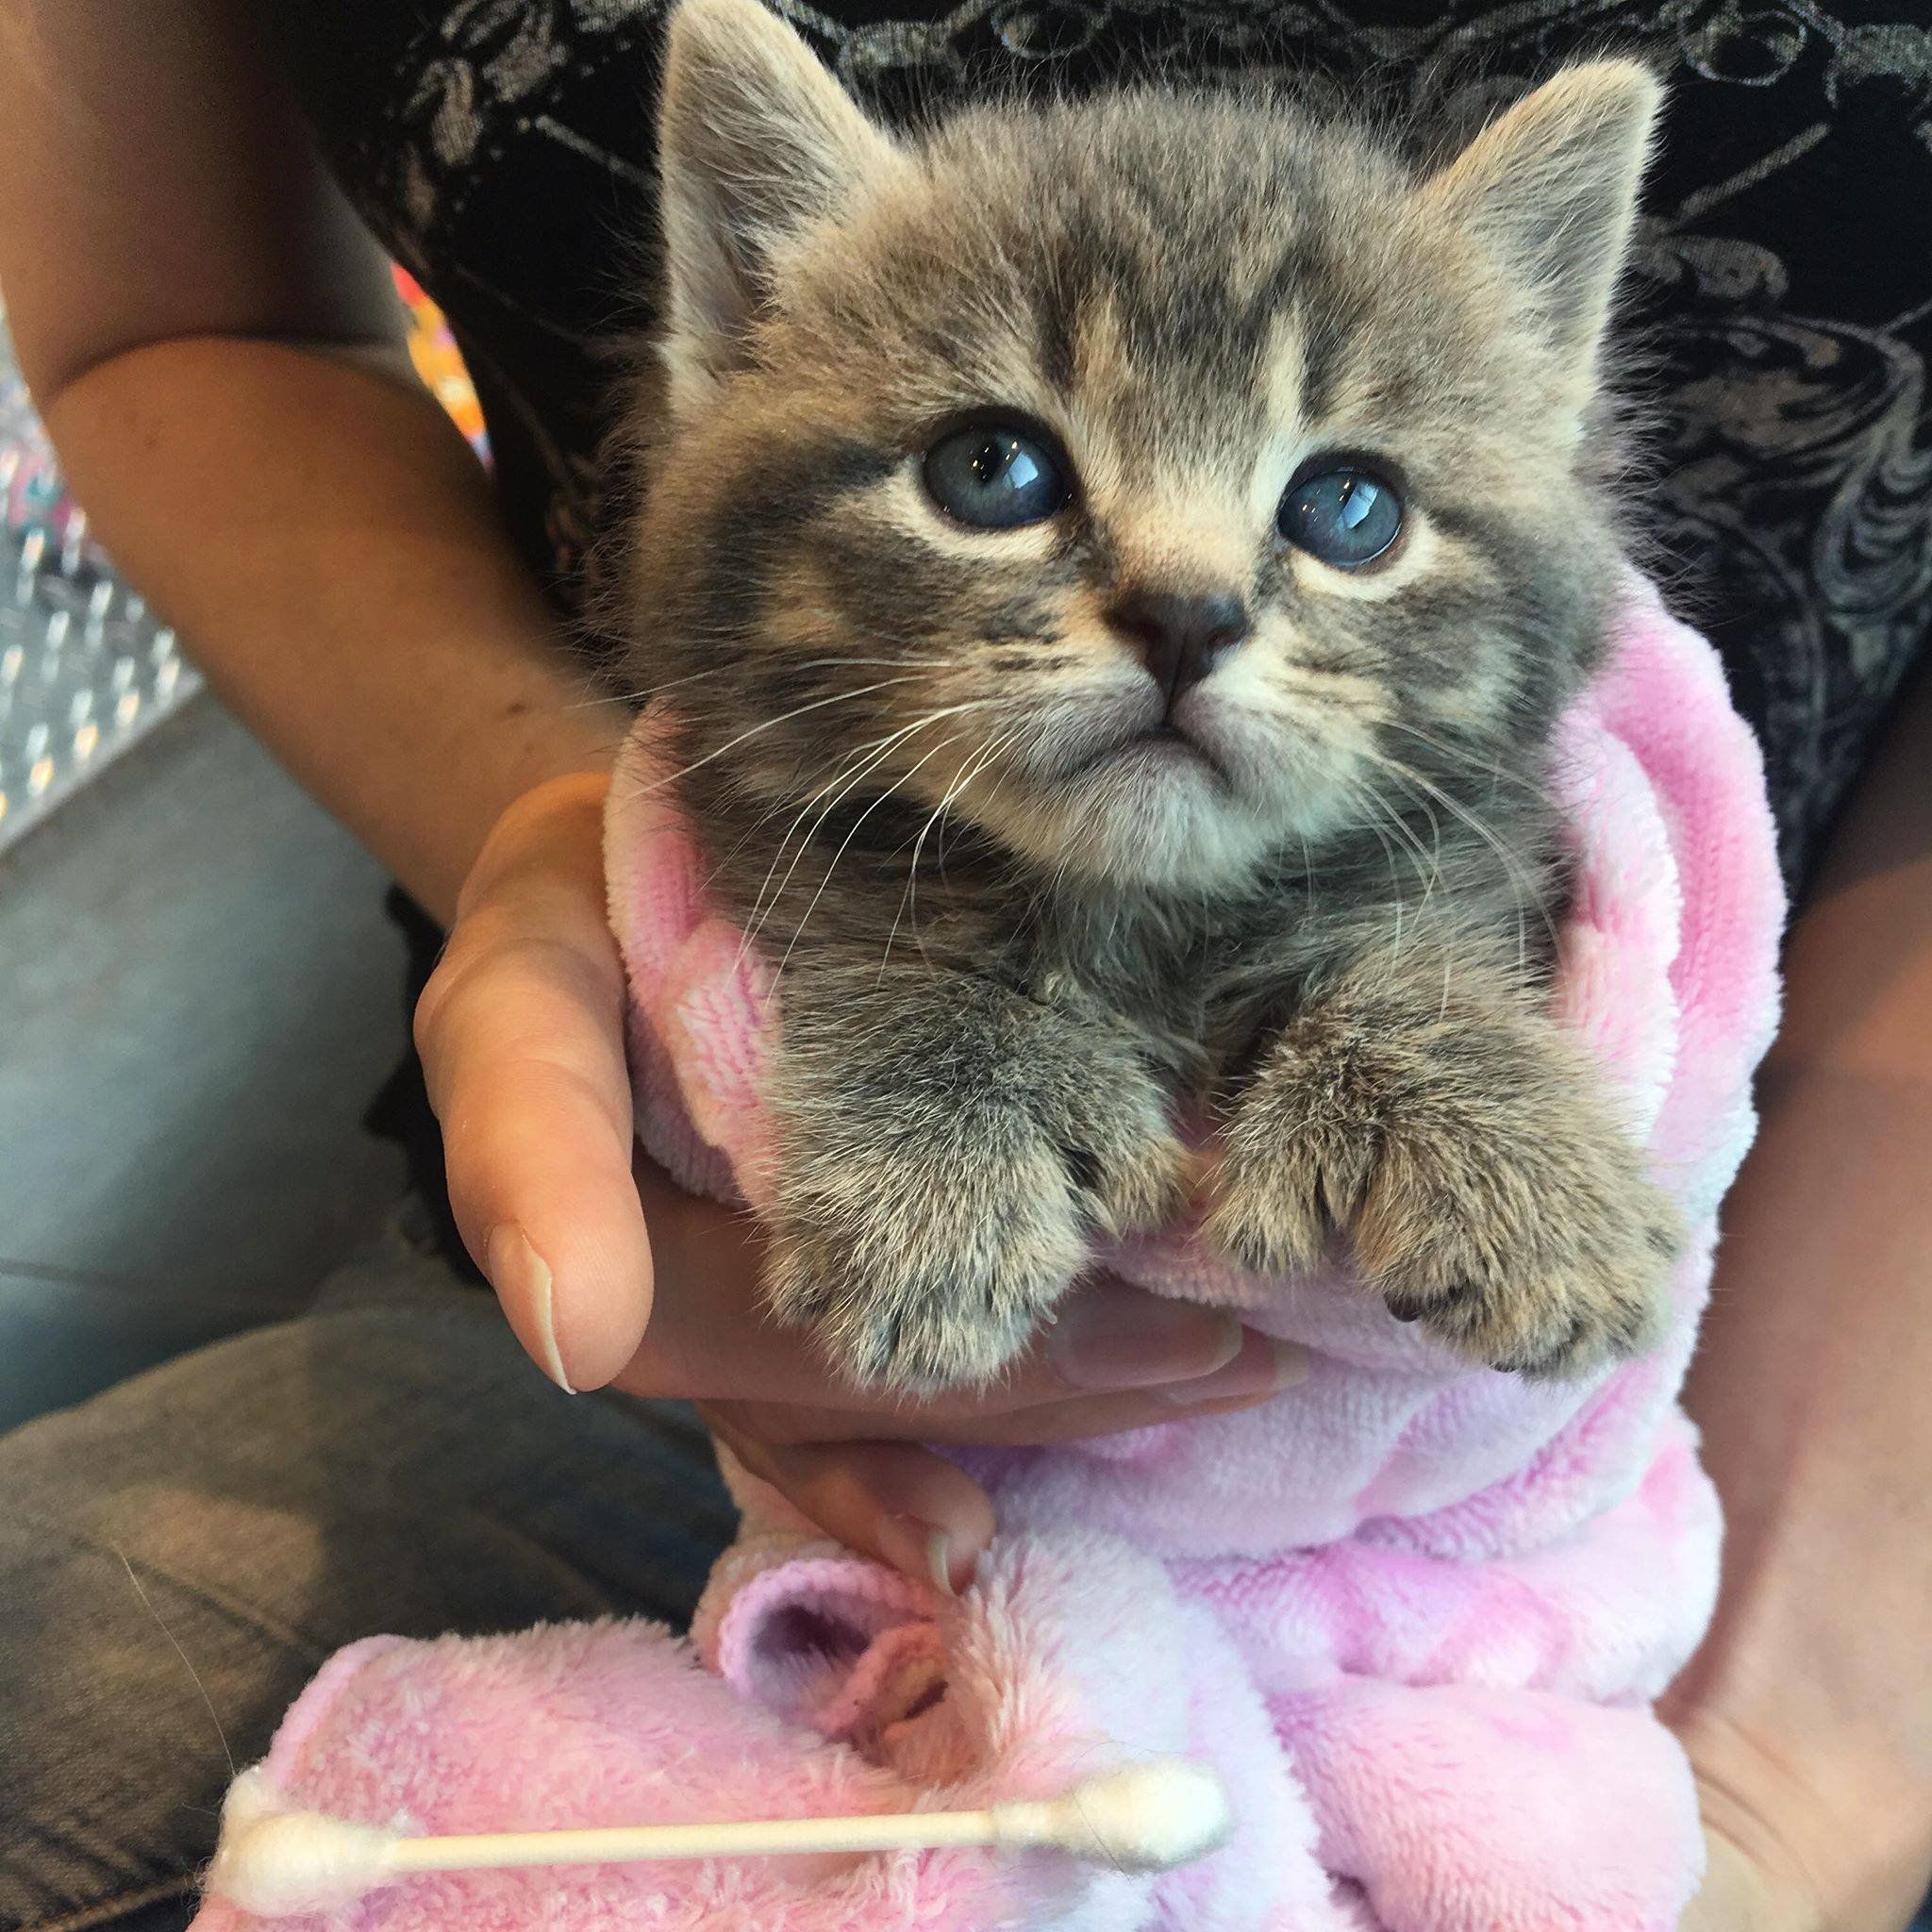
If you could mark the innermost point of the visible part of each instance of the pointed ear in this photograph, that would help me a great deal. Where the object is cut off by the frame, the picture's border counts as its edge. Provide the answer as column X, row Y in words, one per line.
column 754, row 141
column 1550, row 189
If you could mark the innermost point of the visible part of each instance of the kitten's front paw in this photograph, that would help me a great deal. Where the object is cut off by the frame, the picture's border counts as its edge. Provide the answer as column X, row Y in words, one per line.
column 1277, row 1195
column 1507, row 1215
column 1549, row 1259
column 927, row 1271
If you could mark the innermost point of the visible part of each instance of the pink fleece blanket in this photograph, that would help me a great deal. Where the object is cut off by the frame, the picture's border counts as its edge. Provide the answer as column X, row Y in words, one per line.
column 1415, row 1613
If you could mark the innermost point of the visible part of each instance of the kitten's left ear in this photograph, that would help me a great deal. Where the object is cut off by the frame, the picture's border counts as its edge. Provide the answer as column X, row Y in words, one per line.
column 1550, row 188
column 755, row 141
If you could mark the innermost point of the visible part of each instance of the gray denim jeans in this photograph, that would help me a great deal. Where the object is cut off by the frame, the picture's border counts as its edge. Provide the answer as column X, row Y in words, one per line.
column 180, row 1554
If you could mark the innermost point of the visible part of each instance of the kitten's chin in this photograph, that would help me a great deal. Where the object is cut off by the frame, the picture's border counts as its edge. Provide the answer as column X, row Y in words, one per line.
column 1155, row 816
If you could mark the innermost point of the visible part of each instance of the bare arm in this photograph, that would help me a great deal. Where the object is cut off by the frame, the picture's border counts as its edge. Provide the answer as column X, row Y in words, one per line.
column 214, row 340
column 1808, row 1711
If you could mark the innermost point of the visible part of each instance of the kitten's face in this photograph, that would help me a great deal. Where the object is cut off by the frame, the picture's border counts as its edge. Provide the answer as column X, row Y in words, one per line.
column 1148, row 483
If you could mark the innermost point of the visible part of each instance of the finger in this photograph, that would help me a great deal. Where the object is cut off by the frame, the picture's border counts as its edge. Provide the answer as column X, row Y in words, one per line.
column 712, row 1336
column 521, row 1033
column 536, row 1121
column 712, row 1339
column 901, row 1502
column 895, row 1502
column 1259, row 1371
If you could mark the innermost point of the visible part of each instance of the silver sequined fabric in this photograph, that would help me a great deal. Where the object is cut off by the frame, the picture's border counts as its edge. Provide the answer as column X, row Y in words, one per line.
column 86, row 669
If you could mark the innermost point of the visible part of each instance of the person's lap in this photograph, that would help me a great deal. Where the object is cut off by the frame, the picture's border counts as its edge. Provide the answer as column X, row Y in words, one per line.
column 180, row 1554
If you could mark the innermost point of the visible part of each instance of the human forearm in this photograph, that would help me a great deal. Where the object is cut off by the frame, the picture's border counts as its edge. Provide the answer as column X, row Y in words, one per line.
column 328, row 544
column 1812, row 1697
column 304, row 513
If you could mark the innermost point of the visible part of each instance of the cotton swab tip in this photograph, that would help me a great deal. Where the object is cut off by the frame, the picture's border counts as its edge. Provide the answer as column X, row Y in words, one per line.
column 1147, row 1817
column 298, row 1861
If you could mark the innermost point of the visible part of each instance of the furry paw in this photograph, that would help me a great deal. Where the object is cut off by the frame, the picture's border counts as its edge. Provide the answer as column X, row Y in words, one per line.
column 1550, row 1262
column 926, row 1285
column 940, row 1184
column 1488, row 1192
column 927, row 1270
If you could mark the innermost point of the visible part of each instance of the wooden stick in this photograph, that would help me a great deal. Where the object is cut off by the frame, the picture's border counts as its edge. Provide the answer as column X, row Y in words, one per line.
column 624, row 1844
column 1145, row 1817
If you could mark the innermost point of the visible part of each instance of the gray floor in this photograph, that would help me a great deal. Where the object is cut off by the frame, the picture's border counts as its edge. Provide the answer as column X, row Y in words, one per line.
column 198, row 996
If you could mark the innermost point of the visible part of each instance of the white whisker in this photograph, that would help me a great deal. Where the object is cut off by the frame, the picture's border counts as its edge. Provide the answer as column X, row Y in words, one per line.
column 839, row 697
column 880, row 750
column 851, row 834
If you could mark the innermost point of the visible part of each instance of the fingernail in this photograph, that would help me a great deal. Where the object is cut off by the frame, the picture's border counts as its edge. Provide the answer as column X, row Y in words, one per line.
column 522, row 1277
column 919, row 1550
column 1265, row 1366
column 1123, row 1340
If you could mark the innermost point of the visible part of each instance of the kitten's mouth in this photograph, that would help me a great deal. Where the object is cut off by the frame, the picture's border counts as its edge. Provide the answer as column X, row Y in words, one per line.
column 1157, row 750
column 1170, row 741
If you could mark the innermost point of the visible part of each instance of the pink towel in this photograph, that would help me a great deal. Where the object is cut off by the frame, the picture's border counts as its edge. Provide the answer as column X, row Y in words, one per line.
column 1414, row 1612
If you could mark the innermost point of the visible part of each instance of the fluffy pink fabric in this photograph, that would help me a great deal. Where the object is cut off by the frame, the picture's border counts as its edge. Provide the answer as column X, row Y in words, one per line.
column 1414, row 1612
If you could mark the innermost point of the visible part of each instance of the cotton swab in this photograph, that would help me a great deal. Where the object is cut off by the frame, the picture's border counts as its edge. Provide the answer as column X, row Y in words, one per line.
column 1145, row 1817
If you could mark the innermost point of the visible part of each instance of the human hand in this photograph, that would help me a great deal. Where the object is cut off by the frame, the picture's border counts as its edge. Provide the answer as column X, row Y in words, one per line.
column 1800, row 1846
column 609, row 1273
column 852, row 1461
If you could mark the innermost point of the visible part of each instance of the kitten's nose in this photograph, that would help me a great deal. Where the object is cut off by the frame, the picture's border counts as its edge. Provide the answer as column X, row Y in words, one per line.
column 1180, row 637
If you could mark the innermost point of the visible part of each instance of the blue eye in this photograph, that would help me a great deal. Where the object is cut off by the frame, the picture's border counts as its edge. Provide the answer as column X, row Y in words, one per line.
column 996, row 477
column 1344, row 516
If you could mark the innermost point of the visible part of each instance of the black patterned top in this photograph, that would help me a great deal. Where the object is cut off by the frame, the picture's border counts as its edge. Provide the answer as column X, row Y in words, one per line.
column 502, row 148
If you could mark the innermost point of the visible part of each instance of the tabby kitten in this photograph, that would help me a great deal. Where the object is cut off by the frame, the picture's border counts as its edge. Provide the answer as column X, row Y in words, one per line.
column 1113, row 571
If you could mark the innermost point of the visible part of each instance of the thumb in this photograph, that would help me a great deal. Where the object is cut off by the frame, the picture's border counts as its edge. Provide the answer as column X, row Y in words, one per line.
column 521, row 1030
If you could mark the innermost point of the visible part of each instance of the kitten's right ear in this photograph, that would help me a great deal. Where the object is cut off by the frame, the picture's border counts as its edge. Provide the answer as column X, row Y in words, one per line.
column 755, row 141
column 1550, row 188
